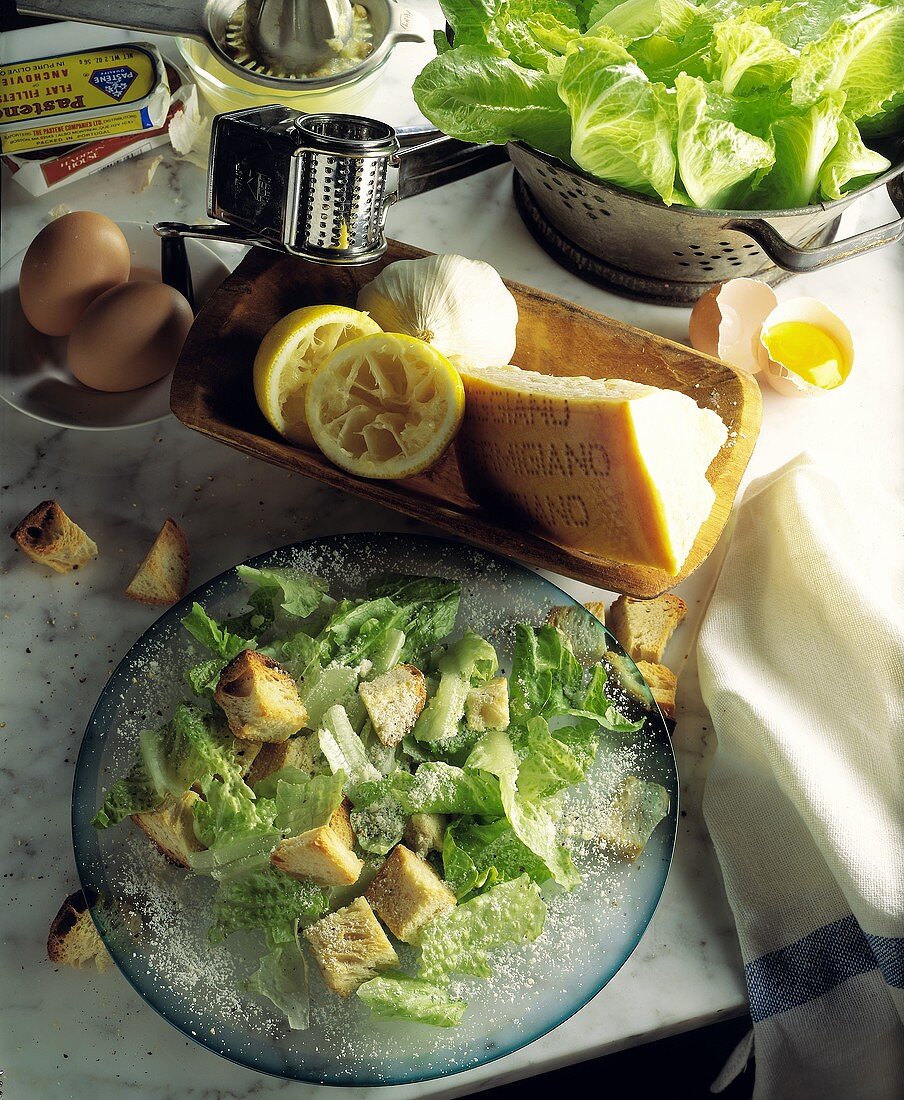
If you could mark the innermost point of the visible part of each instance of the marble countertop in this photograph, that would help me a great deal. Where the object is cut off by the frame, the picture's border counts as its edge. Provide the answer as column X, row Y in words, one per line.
column 76, row 1034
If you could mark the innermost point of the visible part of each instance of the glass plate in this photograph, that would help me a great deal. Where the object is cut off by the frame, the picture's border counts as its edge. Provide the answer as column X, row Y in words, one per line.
column 156, row 928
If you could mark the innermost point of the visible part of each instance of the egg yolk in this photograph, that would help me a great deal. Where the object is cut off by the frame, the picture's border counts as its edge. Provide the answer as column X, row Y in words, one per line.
column 808, row 352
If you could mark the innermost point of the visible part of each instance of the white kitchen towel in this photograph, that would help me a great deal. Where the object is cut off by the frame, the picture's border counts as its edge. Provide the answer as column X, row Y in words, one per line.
column 801, row 659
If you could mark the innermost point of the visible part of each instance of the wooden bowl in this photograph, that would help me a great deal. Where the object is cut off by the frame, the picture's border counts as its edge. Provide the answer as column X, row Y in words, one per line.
column 212, row 392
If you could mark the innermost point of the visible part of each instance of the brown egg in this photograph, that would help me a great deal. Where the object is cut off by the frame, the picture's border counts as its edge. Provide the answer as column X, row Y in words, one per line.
column 129, row 337
column 70, row 263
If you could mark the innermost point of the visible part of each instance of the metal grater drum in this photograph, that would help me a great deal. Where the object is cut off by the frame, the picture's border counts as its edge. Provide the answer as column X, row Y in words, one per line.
column 343, row 170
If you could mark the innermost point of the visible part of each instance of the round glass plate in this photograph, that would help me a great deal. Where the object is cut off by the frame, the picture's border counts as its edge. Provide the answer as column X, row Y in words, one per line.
column 155, row 916
column 33, row 375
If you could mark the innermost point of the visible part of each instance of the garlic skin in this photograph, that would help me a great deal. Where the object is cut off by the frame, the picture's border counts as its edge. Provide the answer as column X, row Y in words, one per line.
column 460, row 306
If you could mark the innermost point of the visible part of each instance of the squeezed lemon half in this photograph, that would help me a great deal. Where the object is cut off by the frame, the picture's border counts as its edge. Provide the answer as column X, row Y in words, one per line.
column 385, row 405
column 290, row 354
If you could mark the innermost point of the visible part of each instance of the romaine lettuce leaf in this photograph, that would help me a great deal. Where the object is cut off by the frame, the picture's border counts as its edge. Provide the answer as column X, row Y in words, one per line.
column 862, row 55
column 459, row 941
column 549, row 765
column 714, row 154
column 477, row 856
column 803, row 140
column 850, row 163
column 343, row 748
column 596, row 705
column 282, row 978
column 400, row 997
column 622, row 124
column 266, row 899
column 545, row 674
column 469, row 661
column 220, row 641
column 133, row 794
column 530, row 820
column 306, row 802
column 299, row 593
column 747, row 56
column 474, row 96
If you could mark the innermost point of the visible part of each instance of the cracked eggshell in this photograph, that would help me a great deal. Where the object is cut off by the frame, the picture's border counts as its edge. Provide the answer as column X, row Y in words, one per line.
column 812, row 312
column 726, row 321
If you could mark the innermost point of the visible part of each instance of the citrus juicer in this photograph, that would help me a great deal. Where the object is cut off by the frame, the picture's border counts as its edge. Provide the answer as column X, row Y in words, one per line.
column 318, row 186
column 274, row 44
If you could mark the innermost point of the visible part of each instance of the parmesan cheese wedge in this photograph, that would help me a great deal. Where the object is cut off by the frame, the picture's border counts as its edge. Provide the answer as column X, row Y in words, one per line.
column 607, row 466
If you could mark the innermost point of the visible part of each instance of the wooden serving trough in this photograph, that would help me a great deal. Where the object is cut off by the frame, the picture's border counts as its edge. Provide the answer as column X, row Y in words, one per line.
column 212, row 393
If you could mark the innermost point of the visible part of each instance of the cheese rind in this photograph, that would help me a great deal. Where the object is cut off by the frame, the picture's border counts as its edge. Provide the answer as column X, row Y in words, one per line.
column 608, row 466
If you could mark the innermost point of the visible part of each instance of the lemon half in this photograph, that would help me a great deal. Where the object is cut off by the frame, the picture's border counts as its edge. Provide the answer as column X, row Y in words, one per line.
column 289, row 355
column 385, row 406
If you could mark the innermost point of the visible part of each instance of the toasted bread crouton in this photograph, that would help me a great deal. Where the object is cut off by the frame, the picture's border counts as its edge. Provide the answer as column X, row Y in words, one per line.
column 259, row 698
column 424, row 833
column 162, row 578
column 172, row 829
column 297, row 752
column 318, row 854
column 48, row 536
column 407, row 894
column 636, row 810
column 597, row 609
column 350, row 947
column 487, row 706
column 663, row 684
column 394, row 702
column 246, row 753
column 644, row 626
column 341, row 823
column 74, row 939
column 584, row 632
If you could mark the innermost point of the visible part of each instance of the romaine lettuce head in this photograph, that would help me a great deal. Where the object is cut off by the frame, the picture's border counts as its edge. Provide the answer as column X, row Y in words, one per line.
column 459, row 941
column 850, row 164
column 862, row 55
column 471, row 95
column 622, row 124
column 400, row 997
column 715, row 155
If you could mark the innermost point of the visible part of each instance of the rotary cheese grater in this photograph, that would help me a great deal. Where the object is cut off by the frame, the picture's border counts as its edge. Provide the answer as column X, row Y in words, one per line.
column 318, row 186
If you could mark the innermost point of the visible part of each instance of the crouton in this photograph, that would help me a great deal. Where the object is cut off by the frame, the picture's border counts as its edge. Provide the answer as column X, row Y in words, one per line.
column 350, row 947
column 636, row 810
column 74, row 939
column 407, row 894
column 48, row 536
column 172, row 829
column 394, row 702
column 626, row 675
column 487, row 707
column 297, row 752
column 246, row 753
column 424, row 833
column 644, row 626
column 341, row 823
column 584, row 632
column 162, row 578
column 318, row 854
column 663, row 684
column 259, row 698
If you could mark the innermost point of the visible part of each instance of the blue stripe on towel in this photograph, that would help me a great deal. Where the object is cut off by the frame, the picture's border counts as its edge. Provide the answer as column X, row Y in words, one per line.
column 817, row 963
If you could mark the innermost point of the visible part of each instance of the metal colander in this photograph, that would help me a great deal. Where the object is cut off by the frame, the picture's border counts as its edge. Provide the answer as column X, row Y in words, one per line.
column 640, row 247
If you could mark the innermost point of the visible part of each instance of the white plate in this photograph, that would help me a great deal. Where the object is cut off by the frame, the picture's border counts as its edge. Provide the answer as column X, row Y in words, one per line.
column 33, row 374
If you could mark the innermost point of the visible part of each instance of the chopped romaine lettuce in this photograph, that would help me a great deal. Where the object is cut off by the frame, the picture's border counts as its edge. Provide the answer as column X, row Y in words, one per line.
column 306, row 802
column 459, row 941
column 343, row 748
column 282, row 978
column 265, row 899
column 212, row 635
column 476, row 856
column 400, row 997
column 545, row 675
column 300, row 594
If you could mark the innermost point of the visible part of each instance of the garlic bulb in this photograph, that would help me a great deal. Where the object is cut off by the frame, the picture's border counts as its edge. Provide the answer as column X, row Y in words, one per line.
column 460, row 306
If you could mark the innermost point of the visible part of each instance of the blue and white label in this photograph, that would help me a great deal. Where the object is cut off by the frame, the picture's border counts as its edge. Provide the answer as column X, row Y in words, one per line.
column 114, row 82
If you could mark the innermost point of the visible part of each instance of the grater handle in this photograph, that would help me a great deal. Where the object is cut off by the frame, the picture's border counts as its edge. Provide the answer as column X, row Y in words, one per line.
column 213, row 231
column 170, row 17
column 794, row 258
column 443, row 160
